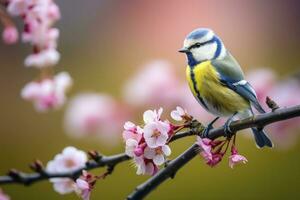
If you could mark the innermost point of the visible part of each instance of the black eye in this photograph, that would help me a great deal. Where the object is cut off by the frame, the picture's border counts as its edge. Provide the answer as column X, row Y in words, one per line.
column 196, row 45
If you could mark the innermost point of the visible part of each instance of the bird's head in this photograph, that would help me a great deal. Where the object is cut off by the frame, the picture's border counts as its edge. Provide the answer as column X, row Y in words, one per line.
column 202, row 44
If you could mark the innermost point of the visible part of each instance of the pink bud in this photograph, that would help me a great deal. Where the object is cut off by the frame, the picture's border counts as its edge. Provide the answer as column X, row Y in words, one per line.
column 234, row 150
column 138, row 151
column 10, row 35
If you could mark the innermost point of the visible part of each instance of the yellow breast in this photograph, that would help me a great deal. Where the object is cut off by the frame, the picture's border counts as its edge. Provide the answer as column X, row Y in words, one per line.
column 205, row 83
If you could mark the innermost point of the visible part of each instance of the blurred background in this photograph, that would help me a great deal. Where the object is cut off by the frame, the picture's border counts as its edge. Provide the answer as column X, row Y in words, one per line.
column 120, row 49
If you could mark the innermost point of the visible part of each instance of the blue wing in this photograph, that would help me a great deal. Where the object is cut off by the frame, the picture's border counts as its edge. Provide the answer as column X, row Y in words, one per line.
column 231, row 76
column 244, row 89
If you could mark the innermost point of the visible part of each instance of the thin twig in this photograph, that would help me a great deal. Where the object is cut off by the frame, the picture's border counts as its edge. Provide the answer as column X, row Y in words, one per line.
column 173, row 166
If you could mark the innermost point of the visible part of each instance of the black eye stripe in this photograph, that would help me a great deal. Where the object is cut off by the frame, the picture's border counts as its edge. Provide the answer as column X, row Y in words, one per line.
column 198, row 44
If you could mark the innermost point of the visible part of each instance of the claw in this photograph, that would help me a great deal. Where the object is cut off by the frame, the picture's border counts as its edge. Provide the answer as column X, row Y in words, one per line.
column 206, row 131
column 208, row 128
column 228, row 132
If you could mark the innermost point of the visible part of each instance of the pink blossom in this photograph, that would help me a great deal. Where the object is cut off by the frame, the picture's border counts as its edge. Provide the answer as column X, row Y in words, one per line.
column 3, row 196
column 17, row 7
column 83, row 189
column 69, row 160
column 157, row 154
column 216, row 159
column 43, row 58
column 156, row 133
column 10, row 35
column 38, row 16
column 84, row 185
column 179, row 114
column 145, row 167
column 155, row 83
column 132, row 149
column 235, row 158
column 95, row 114
column 131, row 131
column 285, row 93
column 152, row 115
column 206, row 147
column 49, row 93
column 262, row 80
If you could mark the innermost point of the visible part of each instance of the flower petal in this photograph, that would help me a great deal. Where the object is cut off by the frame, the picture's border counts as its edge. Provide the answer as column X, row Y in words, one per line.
column 166, row 149
column 159, row 159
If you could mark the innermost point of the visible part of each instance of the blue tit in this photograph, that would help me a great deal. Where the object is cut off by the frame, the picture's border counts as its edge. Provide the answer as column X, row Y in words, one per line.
column 217, row 81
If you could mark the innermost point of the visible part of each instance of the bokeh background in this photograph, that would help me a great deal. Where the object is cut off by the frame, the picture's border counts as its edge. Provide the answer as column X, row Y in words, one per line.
column 103, row 43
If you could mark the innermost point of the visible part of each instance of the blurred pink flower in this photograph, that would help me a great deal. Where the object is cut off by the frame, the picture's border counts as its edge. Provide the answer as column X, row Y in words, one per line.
column 38, row 17
column 3, row 196
column 262, row 80
column 71, row 159
column 10, row 35
column 157, row 154
column 43, row 58
column 17, row 7
column 95, row 114
column 235, row 158
column 154, row 84
column 285, row 93
column 49, row 93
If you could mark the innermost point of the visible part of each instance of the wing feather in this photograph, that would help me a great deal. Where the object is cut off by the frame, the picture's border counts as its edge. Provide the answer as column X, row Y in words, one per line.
column 231, row 76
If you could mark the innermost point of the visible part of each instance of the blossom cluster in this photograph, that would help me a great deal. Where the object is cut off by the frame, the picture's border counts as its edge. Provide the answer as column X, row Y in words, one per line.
column 38, row 17
column 48, row 93
column 212, row 152
column 148, row 145
column 71, row 160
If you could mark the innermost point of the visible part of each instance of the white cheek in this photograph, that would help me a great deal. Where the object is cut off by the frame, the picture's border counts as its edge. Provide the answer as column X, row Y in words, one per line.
column 205, row 52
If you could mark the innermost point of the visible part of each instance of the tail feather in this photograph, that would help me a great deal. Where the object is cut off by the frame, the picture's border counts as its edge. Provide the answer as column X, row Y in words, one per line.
column 261, row 138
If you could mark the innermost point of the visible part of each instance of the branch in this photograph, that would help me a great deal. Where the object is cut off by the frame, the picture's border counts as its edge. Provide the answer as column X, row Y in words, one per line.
column 262, row 120
column 15, row 176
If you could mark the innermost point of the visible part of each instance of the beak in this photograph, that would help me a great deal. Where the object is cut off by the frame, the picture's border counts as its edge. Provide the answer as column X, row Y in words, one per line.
column 183, row 50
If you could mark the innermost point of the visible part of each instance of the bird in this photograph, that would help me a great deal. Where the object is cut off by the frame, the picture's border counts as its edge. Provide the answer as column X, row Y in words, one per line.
column 218, row 84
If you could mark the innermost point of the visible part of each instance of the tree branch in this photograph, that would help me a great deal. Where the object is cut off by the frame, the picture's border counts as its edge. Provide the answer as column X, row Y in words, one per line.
column 262, row 120
column 15, row 176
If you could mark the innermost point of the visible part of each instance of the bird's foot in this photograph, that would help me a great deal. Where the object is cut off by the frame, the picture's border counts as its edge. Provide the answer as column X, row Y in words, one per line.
column 208, row 128
column 228, row 132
